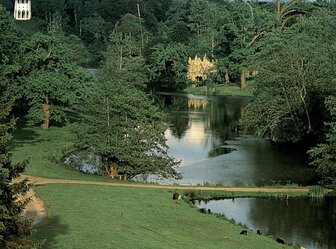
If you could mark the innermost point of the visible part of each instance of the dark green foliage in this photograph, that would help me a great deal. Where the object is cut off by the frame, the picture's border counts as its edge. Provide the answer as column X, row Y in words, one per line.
column 53, row 78
column 296, row 72
column 123, row 60
column 9, row 41
column 169, row 67
column 324, row 154
column 14, row 228
column 126, row 131
column 122, row 126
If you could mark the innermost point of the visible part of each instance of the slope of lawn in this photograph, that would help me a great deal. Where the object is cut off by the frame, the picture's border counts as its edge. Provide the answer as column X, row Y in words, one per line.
column 88, row 217
column 44, row 149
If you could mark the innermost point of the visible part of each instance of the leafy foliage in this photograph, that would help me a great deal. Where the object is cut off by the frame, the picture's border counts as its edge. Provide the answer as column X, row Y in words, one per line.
column 296, row 73
column 126, row 131
column 14, row 229
column 324, row 155
column 53, row 79
column 168, row 70
column 122, row 126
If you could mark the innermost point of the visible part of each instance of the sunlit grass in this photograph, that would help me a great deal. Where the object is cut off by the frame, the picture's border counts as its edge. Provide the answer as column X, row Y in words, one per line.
column 227, row 90
column 117, row 217
column 44, row 149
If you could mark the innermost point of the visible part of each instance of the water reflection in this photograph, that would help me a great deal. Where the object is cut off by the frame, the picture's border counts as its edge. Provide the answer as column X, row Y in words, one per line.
column 301, row 221
column 204, row 134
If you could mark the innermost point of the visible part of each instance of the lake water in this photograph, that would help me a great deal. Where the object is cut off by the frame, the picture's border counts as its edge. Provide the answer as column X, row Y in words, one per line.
column 302, row 221
column 204, row 134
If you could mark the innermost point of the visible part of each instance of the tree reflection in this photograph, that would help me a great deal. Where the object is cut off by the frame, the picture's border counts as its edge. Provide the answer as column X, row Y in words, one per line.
column 219, row 117
column 297, row 220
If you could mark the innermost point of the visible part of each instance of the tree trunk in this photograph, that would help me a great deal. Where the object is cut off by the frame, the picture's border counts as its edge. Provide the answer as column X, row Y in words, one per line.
column 141, row 30
column 242, row 79
column 278, row 13
column 121, row 57
column 46, row 112
column 226, row 78
column 212, row 46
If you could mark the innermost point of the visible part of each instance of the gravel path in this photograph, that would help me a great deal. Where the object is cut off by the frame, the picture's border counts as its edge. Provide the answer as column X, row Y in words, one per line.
column 43, row 181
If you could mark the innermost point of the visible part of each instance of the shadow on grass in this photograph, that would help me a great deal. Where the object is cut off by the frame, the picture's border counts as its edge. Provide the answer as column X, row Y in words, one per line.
column 48, row 231
column 24, row 134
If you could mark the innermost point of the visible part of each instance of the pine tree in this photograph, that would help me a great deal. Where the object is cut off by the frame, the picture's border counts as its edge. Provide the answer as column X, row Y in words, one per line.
column 122, row 126
column 14, row 228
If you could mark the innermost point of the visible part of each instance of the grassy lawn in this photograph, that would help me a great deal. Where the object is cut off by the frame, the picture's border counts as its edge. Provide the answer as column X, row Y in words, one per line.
column 227, row 90
column 45, row 148
column 116, row 217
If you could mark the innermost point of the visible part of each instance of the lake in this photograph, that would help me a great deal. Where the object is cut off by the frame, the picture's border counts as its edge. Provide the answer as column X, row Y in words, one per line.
column 204, row 133
column 302, row 221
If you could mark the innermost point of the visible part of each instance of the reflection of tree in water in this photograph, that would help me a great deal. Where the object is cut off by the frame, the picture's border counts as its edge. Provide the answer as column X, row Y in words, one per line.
column 278, row 163
column 176, row 108
column 222, row 121
column 220, row 116
column 178, row 117
column 297, row 217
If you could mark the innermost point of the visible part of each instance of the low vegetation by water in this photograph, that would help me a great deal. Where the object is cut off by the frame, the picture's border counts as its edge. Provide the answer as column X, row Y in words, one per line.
column 225, row 90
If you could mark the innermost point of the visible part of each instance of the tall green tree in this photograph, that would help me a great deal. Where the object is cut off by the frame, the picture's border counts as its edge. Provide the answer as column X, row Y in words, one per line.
column 177, row 22
column 53, row 80
column 122, row 126
column 169, row 67
column 14, row 228
column 124, row 60
column 240, row 32
column 126, row 131
column 296, row 75
column 9, row 41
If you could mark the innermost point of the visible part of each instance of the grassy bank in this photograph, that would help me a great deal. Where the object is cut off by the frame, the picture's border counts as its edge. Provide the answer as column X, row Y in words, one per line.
column 225, row 90
column 116, row 217
column 217, row 195
column 44, row 149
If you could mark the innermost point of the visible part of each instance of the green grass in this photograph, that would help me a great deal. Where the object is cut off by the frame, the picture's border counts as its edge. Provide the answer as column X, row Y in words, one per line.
column 44, row 149
column 227, row 90
column 317, row 192
column 116, row 217
column 219, row 194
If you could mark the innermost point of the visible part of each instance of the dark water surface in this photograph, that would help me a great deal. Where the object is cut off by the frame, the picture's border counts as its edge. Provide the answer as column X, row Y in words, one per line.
column 204, row 134
column 302, row 221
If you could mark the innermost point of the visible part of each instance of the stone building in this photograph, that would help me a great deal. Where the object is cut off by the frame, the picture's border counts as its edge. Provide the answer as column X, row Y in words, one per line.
column 200, row 68
column 22, row 9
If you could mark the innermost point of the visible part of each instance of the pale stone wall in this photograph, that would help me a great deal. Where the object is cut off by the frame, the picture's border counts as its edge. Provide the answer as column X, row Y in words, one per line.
column 199, row 69
column 22, row 9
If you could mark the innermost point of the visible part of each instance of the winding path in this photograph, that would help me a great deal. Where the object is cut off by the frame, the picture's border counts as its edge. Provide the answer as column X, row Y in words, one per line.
column 43, row 181
column 36, row 209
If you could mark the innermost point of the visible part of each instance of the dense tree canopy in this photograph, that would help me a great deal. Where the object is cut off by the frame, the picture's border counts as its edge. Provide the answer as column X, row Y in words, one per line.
column 52, row 79
column 122, row 126
column 296, row 74
column 146, row 44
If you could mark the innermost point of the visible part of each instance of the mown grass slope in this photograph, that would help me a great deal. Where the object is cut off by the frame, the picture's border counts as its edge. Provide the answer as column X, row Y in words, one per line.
column 88, row 217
